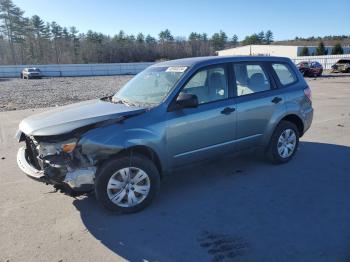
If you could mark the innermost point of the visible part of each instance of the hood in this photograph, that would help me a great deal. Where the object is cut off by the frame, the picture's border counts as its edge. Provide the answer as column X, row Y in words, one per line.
column 65, row 119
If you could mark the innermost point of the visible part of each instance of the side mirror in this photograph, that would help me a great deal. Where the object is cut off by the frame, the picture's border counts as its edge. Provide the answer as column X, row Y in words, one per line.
column 185, row 100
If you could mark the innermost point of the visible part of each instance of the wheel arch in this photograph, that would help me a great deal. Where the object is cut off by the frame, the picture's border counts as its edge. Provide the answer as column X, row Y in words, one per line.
column 138, row 149
column 296, row 120
column 290, row 117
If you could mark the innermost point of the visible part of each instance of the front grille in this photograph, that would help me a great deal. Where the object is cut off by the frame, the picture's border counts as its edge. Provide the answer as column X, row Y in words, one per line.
column 32, row 153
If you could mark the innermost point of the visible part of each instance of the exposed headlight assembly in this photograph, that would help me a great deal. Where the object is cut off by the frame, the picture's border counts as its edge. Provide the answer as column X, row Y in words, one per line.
column 67, row 146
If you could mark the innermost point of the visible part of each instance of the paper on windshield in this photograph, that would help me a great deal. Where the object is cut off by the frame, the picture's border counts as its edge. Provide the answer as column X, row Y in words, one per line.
column 176, row 69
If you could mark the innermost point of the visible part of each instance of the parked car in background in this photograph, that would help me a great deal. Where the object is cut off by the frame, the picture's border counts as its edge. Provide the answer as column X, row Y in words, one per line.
column 32, row 72
column 170, row 115
column 310, row 69
column 342, row 66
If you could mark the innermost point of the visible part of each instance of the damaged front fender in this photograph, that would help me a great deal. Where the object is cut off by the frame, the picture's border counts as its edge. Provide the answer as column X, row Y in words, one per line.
column 102, row 143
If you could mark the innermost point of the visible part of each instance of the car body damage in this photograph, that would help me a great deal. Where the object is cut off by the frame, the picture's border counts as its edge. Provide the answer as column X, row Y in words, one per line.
column 58, row 153
column 65, row 119
column 170, row 115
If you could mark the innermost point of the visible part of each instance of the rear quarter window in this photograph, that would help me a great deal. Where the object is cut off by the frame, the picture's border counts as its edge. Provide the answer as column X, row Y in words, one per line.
column 284, row 73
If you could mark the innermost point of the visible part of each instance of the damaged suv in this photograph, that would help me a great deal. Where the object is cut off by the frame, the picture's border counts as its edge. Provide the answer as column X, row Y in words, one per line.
column 172, row 114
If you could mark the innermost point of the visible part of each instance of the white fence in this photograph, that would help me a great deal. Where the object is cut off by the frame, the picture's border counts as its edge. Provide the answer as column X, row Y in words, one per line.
column 77, row 69
column 325, row 60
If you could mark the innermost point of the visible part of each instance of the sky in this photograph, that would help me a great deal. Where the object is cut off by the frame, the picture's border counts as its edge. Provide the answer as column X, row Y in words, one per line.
column 286, row 19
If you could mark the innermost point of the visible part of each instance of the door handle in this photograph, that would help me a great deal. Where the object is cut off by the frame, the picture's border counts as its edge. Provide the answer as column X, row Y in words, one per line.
column 227, row 110
column 276, row 100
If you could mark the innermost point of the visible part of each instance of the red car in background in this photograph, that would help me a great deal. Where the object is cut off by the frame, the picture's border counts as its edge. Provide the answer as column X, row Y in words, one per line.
column 310, row 69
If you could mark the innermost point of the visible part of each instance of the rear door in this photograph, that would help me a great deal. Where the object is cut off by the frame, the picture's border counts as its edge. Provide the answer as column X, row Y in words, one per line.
column 258, row 102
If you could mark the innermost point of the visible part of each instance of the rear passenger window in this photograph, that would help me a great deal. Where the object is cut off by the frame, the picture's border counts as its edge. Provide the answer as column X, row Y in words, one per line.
column 250, row 79
column 285, row 74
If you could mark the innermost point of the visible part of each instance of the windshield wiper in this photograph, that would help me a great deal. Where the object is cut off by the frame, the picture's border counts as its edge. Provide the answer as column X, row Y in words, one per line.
column 128, row 103
column 123, row 101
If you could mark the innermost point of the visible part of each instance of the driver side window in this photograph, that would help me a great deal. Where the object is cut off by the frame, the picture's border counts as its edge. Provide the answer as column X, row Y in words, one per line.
column 208, row 85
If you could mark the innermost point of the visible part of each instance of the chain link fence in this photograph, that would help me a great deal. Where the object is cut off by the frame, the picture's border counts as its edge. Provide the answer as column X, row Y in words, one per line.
column 325, row 60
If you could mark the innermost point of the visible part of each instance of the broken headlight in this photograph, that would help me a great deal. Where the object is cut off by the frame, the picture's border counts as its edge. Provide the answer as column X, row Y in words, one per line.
column 67, row 146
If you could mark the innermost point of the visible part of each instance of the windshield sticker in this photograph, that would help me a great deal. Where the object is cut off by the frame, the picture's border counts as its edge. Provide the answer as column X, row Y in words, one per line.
column 176, row 69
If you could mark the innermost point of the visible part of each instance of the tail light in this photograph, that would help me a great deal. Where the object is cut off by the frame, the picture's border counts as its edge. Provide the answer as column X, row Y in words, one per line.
column 308, row 93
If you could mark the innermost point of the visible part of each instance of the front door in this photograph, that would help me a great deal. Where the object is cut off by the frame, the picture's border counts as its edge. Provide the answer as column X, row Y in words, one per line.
column 198, row 133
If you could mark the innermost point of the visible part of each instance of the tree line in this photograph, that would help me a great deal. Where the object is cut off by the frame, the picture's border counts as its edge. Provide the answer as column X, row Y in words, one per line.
column 322, row 50
column 30, row 40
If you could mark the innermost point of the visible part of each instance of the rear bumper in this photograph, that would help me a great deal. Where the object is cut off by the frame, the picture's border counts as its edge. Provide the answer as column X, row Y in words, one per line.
column 27, row 168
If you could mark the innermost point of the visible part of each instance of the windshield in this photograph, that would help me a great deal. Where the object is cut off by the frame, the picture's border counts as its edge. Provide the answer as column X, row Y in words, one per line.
column 150, row 86
column 33, row 70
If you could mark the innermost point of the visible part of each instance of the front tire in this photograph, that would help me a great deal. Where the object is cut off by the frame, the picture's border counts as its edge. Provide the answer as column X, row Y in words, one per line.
column 127, row 184
column 284, row 143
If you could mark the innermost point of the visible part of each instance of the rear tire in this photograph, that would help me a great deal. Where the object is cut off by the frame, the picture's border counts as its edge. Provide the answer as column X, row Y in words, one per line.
column 284, row 143
column 116, row 186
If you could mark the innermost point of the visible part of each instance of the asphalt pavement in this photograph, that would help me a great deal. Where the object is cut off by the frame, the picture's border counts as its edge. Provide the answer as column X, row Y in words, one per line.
column 232, row 209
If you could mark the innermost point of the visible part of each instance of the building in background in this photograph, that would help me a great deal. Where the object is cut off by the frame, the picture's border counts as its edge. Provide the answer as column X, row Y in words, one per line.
column 274, row 50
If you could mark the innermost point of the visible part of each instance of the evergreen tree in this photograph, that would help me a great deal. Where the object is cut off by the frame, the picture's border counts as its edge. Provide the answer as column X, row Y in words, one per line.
column 251, row 40
column 219, row 40
column 337, row 50
column 234, row 40
column 38, row 26
column 268, row 37
column 56, row 31
column 140, row 38
column 150, row 40
column 13, row 24
column 165, row 36
column 76, row 43
column 321, row 50
column 304, row 51
column 261, row 37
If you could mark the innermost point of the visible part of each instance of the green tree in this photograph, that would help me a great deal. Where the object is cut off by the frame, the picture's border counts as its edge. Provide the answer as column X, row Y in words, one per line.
column 219, row 40
column 337, row 49
column 234, row 40
column 194, row 40
column 261, row 37
column 38, row 26
column 140, row 38
column 268, row 37
column 321, row 50
column 13, row 26
column 304, row 51
column 150, row 40
column 251, row 40
column 76, row 42
column 166, row 36
column 56, row 31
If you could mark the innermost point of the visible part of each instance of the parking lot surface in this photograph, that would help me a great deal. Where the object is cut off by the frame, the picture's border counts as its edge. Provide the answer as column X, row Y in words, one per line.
column 232, row 209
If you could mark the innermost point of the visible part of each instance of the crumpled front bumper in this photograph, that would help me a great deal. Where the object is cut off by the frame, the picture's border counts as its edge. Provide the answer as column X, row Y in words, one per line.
column 27, row 168
column 77, row 179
